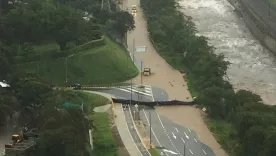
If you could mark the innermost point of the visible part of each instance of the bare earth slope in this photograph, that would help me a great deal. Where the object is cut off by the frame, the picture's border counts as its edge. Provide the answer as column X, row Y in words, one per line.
column 169, row 79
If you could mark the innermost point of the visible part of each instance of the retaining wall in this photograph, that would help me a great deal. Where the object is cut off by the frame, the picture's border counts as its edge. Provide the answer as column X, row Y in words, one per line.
column 263, row 32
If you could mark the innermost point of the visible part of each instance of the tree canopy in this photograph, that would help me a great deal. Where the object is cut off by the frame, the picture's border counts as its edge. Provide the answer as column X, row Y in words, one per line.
column 176, row 39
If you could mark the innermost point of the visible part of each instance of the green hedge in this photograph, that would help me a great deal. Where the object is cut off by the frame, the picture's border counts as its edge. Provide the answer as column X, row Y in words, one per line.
column 60, row 54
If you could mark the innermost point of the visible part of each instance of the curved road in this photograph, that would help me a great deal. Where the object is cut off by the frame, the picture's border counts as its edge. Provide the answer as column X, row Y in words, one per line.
column 167, row 135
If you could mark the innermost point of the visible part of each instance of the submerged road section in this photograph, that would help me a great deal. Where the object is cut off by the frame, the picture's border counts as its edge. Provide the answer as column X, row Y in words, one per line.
column 172, row 138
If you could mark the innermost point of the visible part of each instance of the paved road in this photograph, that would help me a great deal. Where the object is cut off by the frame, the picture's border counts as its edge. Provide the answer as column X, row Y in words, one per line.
column 165, row 133
column 133, row 132
column 262, row 10
column 146, row 94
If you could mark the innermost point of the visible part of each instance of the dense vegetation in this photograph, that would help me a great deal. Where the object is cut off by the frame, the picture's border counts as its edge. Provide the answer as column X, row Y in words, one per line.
column 67, row 40
column 242, row 123
column 36, row 37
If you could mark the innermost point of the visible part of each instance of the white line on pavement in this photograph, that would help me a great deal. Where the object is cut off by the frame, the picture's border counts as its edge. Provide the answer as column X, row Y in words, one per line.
column 129, row 131
column 195, row 140
column 189, row 129
column 173, row 135
column 137, row 131
column 186, row 135
column 167, row 133
column 176, row 129
column 134, row 91
column 204, row 151
column 183, row 140
column 153, row 131
column 191, row 151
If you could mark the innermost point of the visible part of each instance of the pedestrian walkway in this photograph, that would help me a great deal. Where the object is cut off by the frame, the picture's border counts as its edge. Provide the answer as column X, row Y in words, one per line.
column 145, row 89
column 123, row 130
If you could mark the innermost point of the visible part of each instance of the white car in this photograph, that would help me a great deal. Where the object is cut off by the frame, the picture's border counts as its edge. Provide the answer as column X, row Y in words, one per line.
column 133, row 9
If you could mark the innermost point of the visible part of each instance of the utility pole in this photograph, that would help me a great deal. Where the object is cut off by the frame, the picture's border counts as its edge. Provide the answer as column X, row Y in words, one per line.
column 133, row 50
column 66, row 70
column 184, row 149
column 141, row 73
column 130, row 91
column 150, row 127
column 269, row 7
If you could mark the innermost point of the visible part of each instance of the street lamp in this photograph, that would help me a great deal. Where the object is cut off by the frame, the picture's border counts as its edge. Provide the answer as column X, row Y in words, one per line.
column 184, row 149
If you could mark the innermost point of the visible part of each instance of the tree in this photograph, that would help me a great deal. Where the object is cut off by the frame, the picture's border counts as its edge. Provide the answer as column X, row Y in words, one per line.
column 66, row 25
column 124, row 22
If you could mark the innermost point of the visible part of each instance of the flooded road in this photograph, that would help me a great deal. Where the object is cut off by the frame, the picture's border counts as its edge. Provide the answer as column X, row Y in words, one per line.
column 252, row 66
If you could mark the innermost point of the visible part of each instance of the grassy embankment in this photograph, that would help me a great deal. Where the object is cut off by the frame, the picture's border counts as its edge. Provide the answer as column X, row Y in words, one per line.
column 105, row 64
column 105, row 144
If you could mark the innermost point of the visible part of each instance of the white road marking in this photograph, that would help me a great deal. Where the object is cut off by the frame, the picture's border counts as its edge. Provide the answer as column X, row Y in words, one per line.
column 134, row 91
column 167, row 133
column 169, row 151
column 183, row 140
column 195, row 140
column 153, row 131
column 204, row 151
column 176, row 129
column 173, row 135
column 189, row 129
column 137, row 130
column 130, row 133
column 191, row 151
column 186, row 135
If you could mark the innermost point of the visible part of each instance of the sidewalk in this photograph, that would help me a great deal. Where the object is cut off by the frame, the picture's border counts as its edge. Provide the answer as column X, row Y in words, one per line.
column 126, row 137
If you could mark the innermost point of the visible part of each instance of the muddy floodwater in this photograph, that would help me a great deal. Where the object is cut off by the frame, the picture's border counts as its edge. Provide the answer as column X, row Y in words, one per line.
column 252, row 66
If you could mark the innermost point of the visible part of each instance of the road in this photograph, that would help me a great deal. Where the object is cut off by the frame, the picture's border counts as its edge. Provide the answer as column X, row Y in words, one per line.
column 165, row 133
column 133, row 132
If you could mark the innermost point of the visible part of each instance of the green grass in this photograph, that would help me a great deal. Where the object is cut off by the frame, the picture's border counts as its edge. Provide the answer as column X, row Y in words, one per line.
column 104, row 142
column 225, row 134
column 103, row 65
column 44, row 48
column 154, row 152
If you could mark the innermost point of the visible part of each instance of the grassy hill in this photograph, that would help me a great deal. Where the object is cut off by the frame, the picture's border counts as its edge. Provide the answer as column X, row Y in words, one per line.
column 101, row 65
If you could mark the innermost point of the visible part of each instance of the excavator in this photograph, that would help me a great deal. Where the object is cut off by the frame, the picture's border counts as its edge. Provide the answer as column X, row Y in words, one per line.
column 21, row 142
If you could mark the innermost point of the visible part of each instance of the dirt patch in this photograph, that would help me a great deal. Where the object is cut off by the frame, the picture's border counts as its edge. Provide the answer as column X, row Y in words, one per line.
column 143, row 134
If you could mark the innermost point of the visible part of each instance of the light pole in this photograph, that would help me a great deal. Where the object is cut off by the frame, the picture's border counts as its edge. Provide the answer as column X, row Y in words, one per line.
column 150, row 127
column 269, row 5
column 141, row 73
column 184, row 149
column 66, row 70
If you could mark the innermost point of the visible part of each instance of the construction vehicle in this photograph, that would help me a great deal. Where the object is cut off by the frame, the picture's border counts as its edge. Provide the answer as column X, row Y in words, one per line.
column 147, row 72
column 21, row 143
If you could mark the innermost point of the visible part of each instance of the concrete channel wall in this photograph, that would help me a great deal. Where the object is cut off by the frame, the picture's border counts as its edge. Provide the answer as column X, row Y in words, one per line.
column 262, row 31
